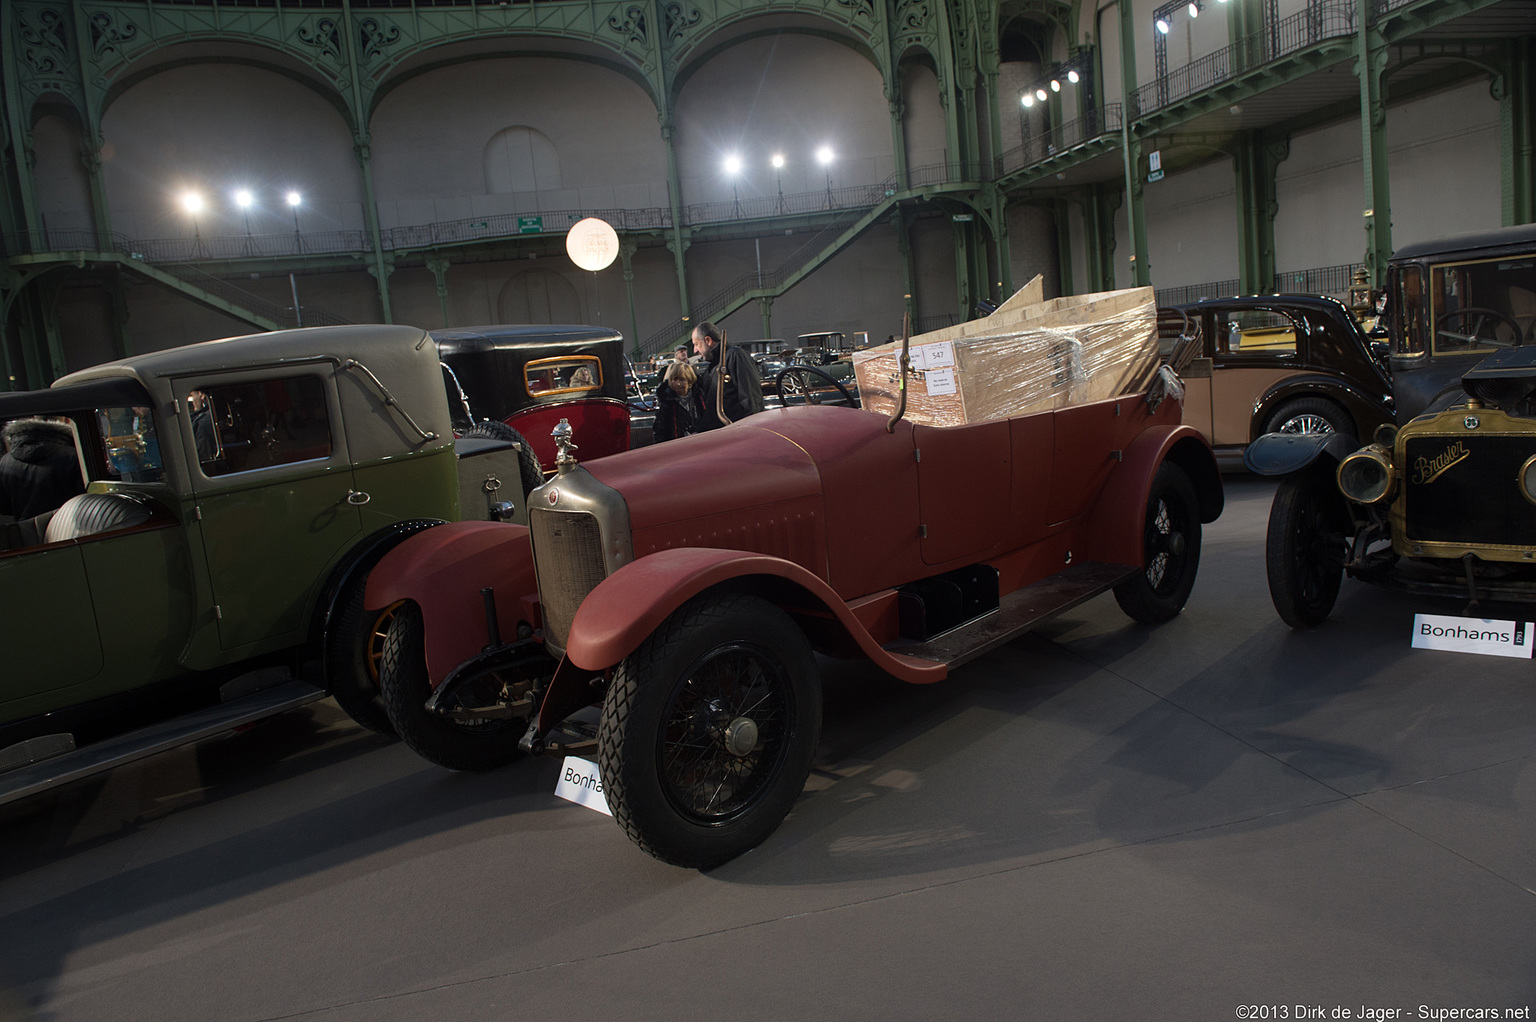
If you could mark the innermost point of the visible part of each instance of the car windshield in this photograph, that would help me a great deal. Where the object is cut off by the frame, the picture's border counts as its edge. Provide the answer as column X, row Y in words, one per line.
column 1482, row 305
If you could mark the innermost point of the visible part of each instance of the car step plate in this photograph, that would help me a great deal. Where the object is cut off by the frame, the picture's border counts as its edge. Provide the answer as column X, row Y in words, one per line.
column 114, row 752
column 1018, row 612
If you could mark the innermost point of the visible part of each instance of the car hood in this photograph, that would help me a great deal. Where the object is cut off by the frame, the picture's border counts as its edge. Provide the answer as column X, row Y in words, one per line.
column 695, row 477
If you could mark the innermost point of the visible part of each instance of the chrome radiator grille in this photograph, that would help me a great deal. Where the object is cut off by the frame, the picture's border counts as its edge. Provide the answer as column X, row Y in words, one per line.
column 568, row 558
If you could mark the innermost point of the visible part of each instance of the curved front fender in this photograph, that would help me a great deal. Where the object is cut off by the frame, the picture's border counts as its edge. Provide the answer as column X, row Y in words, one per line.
column 1280, row 454
column 632, row 603
column 443, row 570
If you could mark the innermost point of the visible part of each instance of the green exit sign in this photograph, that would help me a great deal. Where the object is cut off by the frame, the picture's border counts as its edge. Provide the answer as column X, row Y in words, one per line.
column 530, row 225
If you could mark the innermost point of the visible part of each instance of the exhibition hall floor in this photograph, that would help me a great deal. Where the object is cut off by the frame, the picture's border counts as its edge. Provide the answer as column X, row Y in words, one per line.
column 1218, row 818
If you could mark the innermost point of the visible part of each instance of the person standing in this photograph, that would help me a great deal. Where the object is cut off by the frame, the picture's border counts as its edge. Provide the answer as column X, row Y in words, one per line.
column 679, row 404
column 41, row 469
column 743, row 384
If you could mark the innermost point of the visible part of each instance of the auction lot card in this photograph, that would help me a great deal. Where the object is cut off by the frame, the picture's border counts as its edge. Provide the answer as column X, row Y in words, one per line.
column 1473, row 635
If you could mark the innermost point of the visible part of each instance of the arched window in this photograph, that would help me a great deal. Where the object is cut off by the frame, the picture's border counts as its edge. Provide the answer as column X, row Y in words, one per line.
column 521, row 159
column 539, row 296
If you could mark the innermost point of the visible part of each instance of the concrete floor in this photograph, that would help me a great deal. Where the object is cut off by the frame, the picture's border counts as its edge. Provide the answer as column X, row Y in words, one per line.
column 1100, row 821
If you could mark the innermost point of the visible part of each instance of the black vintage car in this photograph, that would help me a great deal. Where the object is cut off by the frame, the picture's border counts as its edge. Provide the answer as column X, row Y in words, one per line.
column 1285, row 363
column 1443, row 501
column 527, row 377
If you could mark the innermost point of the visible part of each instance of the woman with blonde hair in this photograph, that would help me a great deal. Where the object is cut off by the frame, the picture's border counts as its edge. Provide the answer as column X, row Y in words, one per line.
column 679, row 403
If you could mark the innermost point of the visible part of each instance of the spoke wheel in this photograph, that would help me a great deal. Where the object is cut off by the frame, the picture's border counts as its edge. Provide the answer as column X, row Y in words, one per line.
column 1304, row 549
column 708, row 730
column 406, row 686
column 1170, row 550
column 353, row 650
column 1310, row 415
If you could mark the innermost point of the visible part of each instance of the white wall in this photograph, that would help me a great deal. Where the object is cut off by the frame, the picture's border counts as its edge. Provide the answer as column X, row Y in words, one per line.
column 787, row 93
column 1192, row 225
column 219, row 127
column 601, row 126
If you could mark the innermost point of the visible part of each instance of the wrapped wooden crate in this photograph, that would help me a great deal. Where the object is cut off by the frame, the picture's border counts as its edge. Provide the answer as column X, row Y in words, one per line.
column 1028, row 356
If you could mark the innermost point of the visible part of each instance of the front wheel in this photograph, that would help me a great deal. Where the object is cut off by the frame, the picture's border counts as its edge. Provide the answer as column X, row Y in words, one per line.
column 708, row 730
column 406, row 686
column 1170, row 550
column 1309, row 527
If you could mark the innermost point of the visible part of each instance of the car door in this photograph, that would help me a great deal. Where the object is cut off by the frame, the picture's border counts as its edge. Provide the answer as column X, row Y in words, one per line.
column 1255, row 349
column 274, row 495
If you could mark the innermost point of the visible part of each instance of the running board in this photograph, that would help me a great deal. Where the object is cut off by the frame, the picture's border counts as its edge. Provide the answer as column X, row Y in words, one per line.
column 1018, row 612
column 114, row 752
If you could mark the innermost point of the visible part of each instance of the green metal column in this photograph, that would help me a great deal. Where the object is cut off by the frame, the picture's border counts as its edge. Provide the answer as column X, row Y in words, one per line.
column 678, row 242
column 765, row 309
column 1517, row 124
column 1135, row 215
column 439, row 264
column 1062, row 212
column 90, row 155
column 1370, row 67
column 908, row 266
column 997, row 202
column 627, row 248
column 361, row 147
column 1256, row 163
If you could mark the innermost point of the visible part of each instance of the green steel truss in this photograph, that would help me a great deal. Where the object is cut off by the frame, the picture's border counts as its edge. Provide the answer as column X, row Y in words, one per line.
column 85, row 52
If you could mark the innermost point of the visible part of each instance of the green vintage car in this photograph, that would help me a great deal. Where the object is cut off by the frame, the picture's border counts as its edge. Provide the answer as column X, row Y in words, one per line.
column 236, row 495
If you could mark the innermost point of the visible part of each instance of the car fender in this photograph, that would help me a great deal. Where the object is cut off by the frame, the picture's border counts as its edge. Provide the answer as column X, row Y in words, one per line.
column 1280, row 454
column 1348, row 396
column 443, row 571
column 631, row 604
column 354, row 568
column 1117, row 526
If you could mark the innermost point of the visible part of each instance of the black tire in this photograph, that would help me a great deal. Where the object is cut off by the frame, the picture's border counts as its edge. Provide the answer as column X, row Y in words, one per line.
column 353, row 647
column 527, row 461
column 671, row 780
column 1304, row 549
column 406, row 687
column 1309, row 415
column 1170, row 548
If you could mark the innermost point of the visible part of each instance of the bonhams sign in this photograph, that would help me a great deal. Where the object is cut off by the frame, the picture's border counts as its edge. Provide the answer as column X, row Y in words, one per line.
column 1473, row 635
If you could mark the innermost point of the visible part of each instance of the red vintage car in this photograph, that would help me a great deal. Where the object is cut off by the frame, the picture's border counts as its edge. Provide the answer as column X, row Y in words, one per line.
column 662, row 608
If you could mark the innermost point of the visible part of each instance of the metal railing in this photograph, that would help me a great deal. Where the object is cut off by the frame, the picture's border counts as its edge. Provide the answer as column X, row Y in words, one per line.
column 1333, row 281
column 1060, row 139
column 1320, row 20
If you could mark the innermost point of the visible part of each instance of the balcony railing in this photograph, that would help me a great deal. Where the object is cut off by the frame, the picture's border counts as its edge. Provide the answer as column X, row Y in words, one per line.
column 1321, row 280
column 1322, row 19
column 1060, row 139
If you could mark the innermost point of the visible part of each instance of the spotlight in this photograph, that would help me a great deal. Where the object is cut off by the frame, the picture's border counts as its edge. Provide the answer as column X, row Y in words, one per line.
column 1163, row 26
column 1072, row 76
column 192, row 202
column 244, row 198
column 1194, row 10
column 1029, row 100
column 1055, row 85
column 1040, row 95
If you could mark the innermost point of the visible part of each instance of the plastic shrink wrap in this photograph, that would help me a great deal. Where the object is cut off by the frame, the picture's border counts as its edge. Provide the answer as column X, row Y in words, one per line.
column 1027, row 356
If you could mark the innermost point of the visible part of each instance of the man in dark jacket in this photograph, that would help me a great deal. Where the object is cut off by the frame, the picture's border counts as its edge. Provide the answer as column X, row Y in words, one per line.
column 743, row 383
column 41, row 470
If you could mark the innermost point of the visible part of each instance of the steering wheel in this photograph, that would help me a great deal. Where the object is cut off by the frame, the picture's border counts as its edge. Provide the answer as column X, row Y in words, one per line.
column 1484, row 317
column 803, row 386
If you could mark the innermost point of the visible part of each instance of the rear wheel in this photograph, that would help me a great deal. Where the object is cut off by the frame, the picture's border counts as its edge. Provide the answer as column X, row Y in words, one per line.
column 353, row 649
column 1309, row 415
column 1170, row 550
column 1309, row 528
column 403, row 680
column 708, row 730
